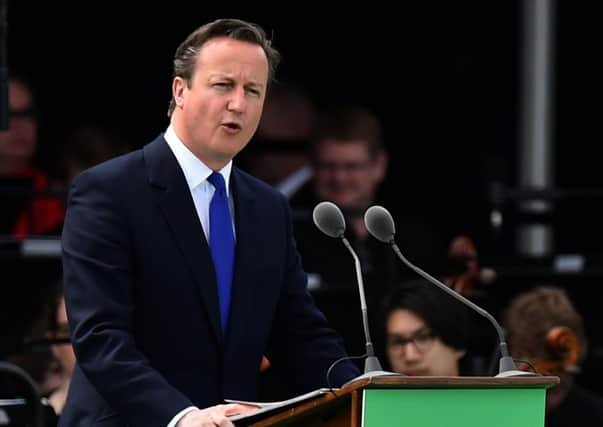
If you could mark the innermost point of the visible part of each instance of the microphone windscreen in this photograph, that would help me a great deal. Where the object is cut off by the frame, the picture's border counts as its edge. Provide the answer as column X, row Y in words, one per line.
column 329, row 219
column 380, row 224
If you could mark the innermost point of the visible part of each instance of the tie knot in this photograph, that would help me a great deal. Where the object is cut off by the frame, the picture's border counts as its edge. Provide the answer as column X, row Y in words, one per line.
column 217, row 180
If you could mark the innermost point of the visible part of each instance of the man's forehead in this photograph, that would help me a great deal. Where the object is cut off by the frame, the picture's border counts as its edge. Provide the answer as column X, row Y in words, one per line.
column 416, row 329
column 224, row 49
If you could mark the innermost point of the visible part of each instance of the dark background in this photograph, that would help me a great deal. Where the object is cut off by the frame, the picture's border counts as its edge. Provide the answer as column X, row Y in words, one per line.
column 444, row 76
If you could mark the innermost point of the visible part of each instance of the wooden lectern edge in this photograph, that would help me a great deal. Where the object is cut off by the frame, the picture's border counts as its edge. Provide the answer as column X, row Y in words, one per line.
column 449, row 382
column 388, row 382
column 304, row 407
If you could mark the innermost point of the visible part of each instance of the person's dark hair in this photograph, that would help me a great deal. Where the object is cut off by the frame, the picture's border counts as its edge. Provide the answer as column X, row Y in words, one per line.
column 348, row 123
column 187, row 53
column 447, row 318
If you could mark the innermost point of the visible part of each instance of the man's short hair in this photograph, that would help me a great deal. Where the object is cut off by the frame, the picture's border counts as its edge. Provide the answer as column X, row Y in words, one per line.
column 348, row 123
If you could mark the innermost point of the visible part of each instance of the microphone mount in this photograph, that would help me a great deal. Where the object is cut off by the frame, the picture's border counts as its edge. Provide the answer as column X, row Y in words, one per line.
column 329, row 219
column 371, row 363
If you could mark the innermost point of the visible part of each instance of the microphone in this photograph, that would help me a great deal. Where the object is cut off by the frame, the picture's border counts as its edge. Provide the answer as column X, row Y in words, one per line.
column 380, row 225
column 329, row 219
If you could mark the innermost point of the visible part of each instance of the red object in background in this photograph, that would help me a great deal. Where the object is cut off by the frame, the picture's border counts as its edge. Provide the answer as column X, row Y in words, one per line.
column 44, row 213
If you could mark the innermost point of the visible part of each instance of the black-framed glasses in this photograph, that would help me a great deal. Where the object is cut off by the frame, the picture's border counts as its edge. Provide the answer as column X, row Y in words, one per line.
column 422, row 339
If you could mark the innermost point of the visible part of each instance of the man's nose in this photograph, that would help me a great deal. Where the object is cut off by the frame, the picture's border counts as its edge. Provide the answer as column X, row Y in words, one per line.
column 237, row 101
column 411, row 352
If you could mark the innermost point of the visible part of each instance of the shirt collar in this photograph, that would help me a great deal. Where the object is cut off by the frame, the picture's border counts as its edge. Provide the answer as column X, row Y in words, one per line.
column 195, row 171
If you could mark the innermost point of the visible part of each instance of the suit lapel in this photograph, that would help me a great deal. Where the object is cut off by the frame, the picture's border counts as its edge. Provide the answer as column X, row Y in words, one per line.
column 176, row 204
column 247, row 257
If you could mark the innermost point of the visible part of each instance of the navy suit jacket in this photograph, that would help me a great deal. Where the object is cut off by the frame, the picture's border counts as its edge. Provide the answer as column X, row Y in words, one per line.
column 142, row 297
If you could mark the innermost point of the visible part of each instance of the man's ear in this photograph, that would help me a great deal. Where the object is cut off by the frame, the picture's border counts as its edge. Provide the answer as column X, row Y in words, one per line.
column 178, row 86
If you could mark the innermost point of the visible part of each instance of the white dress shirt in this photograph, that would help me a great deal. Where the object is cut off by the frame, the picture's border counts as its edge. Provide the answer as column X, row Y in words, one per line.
column 196, row 173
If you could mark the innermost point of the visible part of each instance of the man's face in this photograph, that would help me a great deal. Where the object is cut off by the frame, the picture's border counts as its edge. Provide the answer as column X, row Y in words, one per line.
column 412, row 349
column 218, row 111
column 18, row 142
column 346, row 174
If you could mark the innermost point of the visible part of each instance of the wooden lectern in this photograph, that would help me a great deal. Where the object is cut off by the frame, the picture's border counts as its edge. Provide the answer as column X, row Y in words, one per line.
column 420, row 402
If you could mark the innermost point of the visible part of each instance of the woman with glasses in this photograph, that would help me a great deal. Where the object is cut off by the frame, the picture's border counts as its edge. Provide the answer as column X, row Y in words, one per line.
column 426, row 330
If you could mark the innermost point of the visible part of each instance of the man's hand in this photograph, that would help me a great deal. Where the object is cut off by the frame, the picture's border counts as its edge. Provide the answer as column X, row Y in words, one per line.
column 214, row 415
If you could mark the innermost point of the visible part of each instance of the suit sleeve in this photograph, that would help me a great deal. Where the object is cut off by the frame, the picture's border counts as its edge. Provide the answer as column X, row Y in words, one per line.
column 302, row 343
column 98, row 265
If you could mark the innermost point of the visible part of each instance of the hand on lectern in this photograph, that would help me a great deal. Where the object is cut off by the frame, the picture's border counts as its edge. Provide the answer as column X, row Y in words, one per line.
column 214, row 415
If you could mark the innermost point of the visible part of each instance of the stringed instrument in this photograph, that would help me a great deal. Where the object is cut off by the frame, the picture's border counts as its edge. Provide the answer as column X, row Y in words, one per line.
column 563, row 347
column 464, row 273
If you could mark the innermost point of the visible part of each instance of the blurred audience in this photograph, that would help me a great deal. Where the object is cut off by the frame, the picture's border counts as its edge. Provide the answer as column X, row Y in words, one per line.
column 46, row 354
column 89, row 145
column 278, row 154
column 29, row 206
column 545, row 330
column 464, row 274
column 350, row 164
column 31, row 353
column 426, row 331
column 63, row 354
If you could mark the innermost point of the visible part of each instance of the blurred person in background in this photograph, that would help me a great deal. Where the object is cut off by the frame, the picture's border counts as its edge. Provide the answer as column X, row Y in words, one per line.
column 545, row 330
column 426, row 331
column 278, row 154
column 29, row 206
column 350, row 164
column 62, row 352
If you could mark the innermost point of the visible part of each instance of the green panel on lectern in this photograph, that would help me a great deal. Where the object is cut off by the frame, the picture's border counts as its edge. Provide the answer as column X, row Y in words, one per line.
column 508, row 407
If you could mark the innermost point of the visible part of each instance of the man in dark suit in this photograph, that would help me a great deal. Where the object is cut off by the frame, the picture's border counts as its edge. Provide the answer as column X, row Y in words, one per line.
column 167, row 318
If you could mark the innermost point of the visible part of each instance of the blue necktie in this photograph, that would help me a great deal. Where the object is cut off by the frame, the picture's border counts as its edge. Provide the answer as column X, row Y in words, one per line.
column 222, row 244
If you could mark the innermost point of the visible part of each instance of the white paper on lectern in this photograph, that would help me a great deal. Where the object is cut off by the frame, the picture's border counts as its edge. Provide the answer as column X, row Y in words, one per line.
column 270, row 406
